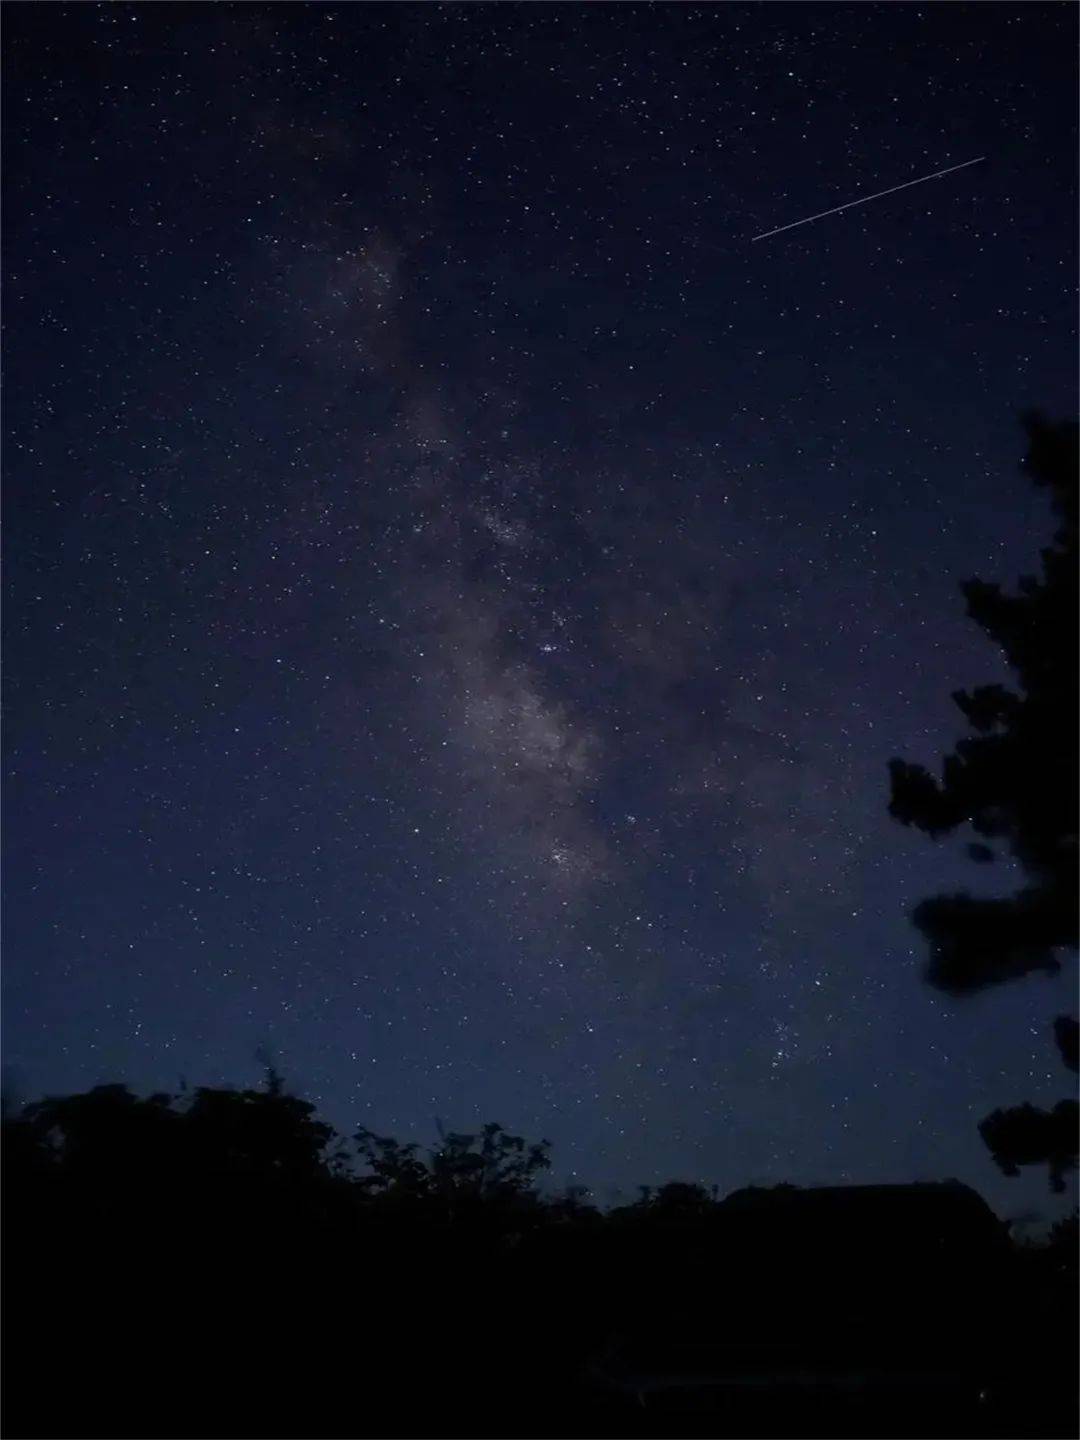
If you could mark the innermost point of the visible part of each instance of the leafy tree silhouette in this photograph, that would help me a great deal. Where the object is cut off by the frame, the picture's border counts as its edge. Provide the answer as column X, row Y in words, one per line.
column 1015, row 780
column 257, row 1133
column 463, row 1173
column 1026, row 1135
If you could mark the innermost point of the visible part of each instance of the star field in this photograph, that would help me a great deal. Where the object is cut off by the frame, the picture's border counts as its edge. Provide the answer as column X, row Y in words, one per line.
column 462, row 596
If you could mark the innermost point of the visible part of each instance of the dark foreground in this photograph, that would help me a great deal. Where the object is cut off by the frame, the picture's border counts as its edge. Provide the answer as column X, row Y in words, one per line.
column 567, row 1331
column 206, row 1270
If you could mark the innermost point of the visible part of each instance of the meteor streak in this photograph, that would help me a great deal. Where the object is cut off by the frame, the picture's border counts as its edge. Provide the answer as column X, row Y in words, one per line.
column 837, row 208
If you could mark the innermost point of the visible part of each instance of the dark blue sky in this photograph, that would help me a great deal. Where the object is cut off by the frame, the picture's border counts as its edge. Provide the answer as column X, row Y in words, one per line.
column 463, row 594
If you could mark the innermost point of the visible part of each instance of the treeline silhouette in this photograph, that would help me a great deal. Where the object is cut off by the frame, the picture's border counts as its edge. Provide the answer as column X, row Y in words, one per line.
column 222, row 1263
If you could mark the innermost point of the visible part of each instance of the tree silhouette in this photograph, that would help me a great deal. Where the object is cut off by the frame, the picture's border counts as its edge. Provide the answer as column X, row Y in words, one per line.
column 393, row 1168
column 1026, row 1135
column 264, row 1133
column 1067, row 1035
column 491, row 1164
column 463, row 1172
column 1015, row 781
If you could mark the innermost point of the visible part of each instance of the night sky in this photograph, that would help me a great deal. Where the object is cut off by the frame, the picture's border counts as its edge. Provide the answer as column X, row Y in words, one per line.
column 462, row 592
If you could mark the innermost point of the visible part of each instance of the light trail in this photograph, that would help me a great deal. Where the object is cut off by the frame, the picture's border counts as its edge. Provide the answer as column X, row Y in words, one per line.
column 866, row 198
